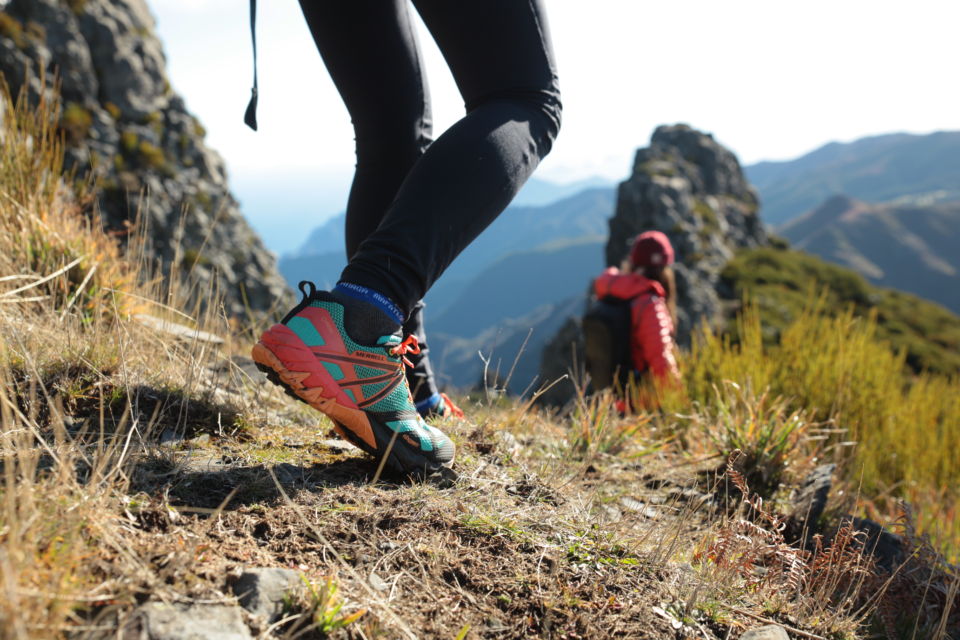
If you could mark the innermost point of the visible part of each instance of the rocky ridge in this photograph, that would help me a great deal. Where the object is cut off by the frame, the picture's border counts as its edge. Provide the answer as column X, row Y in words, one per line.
column 693, row 189
column 122, row 121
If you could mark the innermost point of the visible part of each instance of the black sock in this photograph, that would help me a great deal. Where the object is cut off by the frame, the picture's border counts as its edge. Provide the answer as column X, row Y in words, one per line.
column 365, row 322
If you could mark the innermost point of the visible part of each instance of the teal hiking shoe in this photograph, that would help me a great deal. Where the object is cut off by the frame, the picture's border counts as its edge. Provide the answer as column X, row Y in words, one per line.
column 361, row 387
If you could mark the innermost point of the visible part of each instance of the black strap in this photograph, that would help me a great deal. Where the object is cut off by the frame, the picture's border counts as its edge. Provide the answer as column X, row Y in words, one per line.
column 250, row 118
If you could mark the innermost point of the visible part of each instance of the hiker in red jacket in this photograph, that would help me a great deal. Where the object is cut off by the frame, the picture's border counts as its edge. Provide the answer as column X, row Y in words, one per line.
column 651, row 287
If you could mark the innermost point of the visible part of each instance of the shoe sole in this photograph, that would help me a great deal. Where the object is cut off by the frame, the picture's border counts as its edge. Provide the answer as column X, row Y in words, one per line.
column 325, row 395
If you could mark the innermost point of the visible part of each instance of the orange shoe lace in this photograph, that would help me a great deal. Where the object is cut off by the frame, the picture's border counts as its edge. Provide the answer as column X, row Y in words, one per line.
column 455, row 411
column 409, row 345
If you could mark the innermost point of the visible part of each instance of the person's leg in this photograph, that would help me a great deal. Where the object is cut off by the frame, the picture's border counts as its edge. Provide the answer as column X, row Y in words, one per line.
column 500, row 55
column 342, row 351
column 371, row 52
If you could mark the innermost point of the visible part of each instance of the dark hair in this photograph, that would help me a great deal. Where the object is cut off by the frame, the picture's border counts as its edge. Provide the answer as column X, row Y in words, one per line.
column 664, row 275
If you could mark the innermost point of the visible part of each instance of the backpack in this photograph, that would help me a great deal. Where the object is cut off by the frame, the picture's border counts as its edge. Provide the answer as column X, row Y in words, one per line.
column 606, row 336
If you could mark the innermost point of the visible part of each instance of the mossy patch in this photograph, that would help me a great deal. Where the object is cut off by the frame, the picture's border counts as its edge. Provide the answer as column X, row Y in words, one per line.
column 152, row 156
column 129, row 141
column 12, row 28
column 77, row 6
column 36, row 31
column 75, row 122
column 193, row 257
column 113, row 110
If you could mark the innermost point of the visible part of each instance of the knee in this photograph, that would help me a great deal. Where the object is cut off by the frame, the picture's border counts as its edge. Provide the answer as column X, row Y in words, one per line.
column 541, row 110
column 544, row 111
column 551, row 110
column 392, row 138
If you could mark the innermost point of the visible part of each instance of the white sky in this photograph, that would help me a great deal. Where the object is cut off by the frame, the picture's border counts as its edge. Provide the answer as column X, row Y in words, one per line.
column 768, row 78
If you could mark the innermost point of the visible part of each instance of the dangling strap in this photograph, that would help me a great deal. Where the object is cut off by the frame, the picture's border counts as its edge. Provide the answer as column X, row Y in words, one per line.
column 250, row 118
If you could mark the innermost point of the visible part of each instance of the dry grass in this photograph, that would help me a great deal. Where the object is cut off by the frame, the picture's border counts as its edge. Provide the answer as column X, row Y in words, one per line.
column 897, row 434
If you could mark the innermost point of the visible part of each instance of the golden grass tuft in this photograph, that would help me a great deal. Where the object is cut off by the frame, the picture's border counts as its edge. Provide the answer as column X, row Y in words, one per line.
column 68, row 344
column 899, row 432
column 50, row 252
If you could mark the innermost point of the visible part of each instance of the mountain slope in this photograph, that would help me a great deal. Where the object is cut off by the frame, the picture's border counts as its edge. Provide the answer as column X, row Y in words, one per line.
column 876, row 169
column 908, row 247
column 536, row 194
column 518, row 229
column 495, row 312
column 781, row 283
column 521, row 282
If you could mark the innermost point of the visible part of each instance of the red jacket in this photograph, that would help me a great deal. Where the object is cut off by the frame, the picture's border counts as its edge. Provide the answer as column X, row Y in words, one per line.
column 651, row 340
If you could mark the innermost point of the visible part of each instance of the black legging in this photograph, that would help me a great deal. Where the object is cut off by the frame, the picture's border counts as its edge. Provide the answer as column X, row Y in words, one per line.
column 414, row 206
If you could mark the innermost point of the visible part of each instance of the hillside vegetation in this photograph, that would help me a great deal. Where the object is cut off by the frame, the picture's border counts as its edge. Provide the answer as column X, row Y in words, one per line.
column 781, row 284
column 143, row 472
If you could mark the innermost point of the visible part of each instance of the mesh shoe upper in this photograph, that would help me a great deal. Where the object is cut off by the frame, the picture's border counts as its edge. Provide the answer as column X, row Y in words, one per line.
column 370, row 377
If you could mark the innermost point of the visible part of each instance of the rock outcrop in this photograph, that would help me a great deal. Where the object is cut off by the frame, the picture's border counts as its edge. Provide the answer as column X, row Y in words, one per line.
column 692, row 189
column 122, row 121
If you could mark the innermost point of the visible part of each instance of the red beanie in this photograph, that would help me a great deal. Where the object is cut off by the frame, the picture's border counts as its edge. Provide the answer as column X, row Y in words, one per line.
column 651, row 249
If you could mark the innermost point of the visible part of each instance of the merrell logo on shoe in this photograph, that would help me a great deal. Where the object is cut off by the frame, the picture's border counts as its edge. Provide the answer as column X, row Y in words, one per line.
column 413, row 442
column 367, row 356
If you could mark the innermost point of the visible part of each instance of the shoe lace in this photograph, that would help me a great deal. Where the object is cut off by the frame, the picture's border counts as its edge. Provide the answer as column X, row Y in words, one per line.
column 409, row 345
column 455, row 411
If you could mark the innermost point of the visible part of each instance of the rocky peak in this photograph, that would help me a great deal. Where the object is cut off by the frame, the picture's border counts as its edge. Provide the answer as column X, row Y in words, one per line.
column 688, row 186
column 122, row 121
column 692, row 189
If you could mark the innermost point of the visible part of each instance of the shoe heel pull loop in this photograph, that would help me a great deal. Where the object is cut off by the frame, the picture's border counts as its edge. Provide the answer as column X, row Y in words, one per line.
column 307, row 288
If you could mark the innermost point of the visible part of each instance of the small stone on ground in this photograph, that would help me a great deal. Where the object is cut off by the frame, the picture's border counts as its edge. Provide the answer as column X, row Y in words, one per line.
column 263, row 591
column 769, row 632
column 162, row 621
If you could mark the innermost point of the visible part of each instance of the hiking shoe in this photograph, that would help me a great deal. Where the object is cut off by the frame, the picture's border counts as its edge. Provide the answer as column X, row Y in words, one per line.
column 440, row 406
column 362, row 388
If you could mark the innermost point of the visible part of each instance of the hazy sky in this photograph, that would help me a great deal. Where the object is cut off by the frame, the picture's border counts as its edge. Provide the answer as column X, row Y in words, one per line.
column 770, row 79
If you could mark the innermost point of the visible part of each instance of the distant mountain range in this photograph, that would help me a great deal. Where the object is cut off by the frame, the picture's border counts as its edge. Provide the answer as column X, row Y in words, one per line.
column 278, row 205
column 898, row 166
column 908, row 247
column 523, row 296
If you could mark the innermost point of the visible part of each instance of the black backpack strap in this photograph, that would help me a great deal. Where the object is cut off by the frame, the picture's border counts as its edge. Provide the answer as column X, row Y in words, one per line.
column 250, row 117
